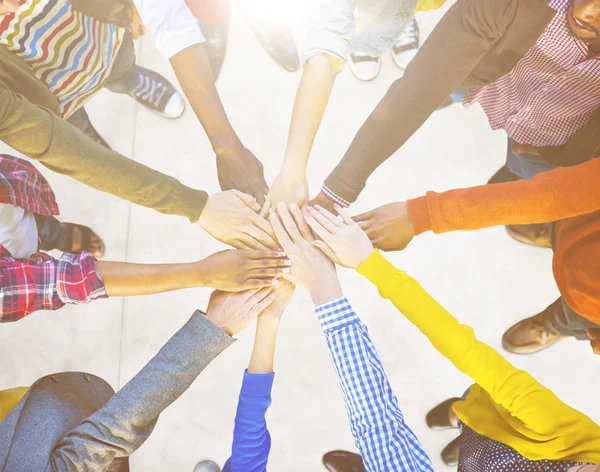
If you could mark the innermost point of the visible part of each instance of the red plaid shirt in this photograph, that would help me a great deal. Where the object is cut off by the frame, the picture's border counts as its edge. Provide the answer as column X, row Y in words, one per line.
column 550, row 94
column 39, row 282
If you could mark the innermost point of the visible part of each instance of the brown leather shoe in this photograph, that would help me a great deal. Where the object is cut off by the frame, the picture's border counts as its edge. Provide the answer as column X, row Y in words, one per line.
column 530, row 335
column 450, row 453
column 539, row 235
column 437, row 418
column 343, row 461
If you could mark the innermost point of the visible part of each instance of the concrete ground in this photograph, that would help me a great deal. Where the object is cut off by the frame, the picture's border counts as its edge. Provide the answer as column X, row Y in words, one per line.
column 485, row 278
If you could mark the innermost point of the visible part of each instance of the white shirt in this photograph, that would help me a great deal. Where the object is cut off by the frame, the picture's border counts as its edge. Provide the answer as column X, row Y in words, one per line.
column 171, row 23
column 18, row 230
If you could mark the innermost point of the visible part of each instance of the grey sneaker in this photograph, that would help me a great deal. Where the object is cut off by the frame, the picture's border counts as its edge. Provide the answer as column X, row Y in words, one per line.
column 207, row 466
column 156, row 93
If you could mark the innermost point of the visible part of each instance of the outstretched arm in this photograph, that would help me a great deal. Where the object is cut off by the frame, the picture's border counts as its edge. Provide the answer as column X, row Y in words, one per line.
column 376, row 421
column 251, row 438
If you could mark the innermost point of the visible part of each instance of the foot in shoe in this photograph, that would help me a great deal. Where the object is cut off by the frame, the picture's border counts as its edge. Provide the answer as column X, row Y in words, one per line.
column 156, row 93
column 407, row 45
column 531, row 335
column 364, row 66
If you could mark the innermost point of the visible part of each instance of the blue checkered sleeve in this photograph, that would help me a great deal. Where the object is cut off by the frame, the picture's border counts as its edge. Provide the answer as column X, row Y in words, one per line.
column 385, row 442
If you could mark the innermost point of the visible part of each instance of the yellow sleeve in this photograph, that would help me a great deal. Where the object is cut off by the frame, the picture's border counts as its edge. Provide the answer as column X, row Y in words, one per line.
column 426, row 5
column 41, row 135
column 514, row 389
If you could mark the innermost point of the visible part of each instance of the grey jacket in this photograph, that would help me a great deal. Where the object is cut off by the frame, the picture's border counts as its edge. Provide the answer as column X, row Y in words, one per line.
column 63, row 425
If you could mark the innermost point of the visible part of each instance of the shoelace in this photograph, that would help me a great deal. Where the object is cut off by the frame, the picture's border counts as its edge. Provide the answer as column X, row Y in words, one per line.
column 150, row 90
column 408, row 36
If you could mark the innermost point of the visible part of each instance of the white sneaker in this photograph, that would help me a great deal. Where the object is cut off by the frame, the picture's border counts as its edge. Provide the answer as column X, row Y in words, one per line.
column 407, row 46
column 364, row 66
column 207, row 466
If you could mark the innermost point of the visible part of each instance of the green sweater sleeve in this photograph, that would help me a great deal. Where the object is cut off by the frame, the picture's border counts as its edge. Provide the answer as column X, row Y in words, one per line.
column 43, row 136
column 514, row 389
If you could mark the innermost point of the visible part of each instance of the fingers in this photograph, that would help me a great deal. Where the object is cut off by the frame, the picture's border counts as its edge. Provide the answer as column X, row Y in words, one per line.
column 346, row 218
column 268, row 272
column 325, row 249
column 301, row 222
column 248, row 200
column 259, row 301
column 323, row 220
column 288, row 223
column 280, row 232
column 327, row 214
column 261, row 230
column 254, row 284
column 268, row 254
column 264, row 211
column 364, row 217
column 318, row 228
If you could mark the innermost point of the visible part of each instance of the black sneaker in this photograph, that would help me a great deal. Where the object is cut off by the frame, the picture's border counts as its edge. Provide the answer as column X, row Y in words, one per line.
column 407, row 45
column 156, row 93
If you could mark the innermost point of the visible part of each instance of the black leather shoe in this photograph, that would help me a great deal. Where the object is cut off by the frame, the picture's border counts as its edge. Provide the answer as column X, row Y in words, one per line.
column 343, row 461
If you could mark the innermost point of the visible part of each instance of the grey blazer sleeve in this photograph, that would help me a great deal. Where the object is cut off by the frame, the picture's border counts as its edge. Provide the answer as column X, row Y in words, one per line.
column 128, row 418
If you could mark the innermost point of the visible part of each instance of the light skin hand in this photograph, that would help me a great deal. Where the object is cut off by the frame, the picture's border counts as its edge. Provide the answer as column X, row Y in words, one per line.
column 233, row 312
column 310, row 268
column 343, row 241
column 263, row 353
column 312, row 97
column 389, row 227
column 232, row 218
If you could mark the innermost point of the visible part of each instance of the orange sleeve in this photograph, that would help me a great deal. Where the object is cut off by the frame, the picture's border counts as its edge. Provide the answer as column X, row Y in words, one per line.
column 549, row 196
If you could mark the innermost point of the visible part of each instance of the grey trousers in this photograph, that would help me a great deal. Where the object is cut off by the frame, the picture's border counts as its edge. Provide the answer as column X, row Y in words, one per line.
column 567, row 322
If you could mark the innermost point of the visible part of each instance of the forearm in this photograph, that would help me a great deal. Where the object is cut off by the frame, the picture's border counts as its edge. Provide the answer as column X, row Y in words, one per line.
column 42, row 136
column 311, row 100
column 263, row 353
column 196, row 79
column 128, row 279
column 376, row 421
column 549, row 196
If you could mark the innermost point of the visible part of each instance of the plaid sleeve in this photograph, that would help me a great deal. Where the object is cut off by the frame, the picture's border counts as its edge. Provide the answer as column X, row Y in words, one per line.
column 27, row 285
column 377, row 423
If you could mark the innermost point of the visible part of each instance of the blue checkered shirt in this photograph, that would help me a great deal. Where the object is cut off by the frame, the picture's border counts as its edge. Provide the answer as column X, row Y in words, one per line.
column 385, row 442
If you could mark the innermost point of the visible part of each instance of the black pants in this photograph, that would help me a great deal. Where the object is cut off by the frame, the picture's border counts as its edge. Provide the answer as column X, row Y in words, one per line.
column 122, row 79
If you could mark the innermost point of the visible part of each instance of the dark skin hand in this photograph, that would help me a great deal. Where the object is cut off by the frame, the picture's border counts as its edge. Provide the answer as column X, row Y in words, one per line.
column 389, row 227
column 324, row 201
column 239, row 169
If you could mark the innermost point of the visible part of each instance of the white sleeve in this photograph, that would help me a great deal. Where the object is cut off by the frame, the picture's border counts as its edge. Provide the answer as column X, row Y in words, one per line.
column 171, row 23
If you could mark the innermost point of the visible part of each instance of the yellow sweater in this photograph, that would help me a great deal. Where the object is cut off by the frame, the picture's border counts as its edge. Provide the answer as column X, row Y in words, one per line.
column 425, row 5
column 506, row 404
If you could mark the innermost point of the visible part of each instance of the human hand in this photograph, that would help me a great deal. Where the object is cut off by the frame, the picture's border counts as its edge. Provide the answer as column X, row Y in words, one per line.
column 239, row 270
column 137, row 28
column 310, row 268
column 323, row 201
column 231, row 217
column 283, row 295
column 343, row 241
column 8, row 6
column 288, row 188
column 239, row 169
column 232, row 312
column 389, row 227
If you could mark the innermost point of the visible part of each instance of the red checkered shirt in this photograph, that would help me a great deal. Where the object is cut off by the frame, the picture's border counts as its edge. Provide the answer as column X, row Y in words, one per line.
column 39, row 282
column 550, row 94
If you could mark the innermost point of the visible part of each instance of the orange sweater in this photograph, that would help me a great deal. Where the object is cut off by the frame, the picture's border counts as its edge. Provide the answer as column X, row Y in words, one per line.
column 569, row 194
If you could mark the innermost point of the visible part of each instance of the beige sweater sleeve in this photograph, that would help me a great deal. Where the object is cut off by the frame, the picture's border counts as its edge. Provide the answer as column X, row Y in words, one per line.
column 41, row 135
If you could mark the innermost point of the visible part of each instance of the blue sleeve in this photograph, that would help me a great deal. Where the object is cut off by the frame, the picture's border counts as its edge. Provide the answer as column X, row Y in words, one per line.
column 251, row 439
column 384, row 440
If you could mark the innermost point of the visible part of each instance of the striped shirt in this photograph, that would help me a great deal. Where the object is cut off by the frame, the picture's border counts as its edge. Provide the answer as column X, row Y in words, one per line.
column 550, row 94
column 70, row 52
column 385, row 441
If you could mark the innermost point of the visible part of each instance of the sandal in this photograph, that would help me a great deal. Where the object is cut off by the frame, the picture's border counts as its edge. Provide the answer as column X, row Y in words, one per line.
column 437, row 418
column 86, row 244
